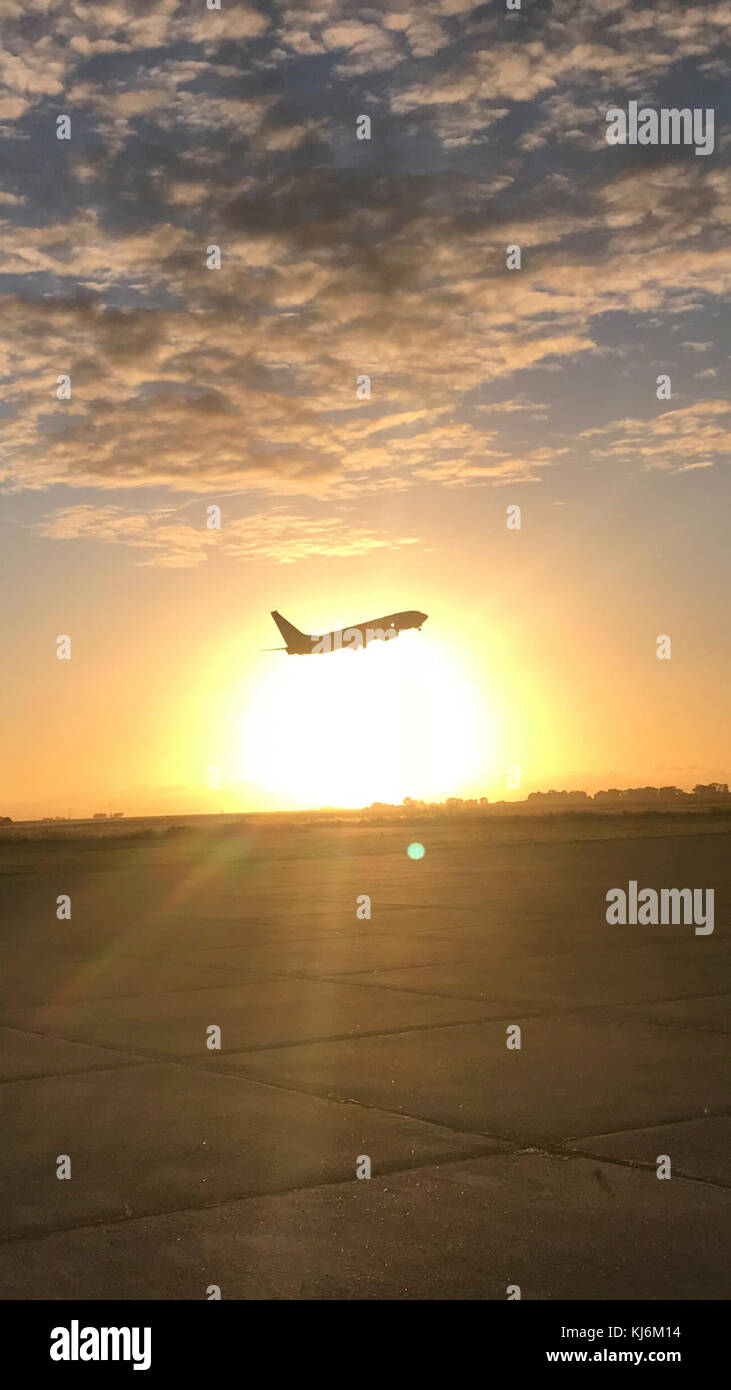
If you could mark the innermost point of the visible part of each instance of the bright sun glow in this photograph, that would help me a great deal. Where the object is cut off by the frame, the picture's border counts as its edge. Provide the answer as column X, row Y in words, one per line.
column 352, row 727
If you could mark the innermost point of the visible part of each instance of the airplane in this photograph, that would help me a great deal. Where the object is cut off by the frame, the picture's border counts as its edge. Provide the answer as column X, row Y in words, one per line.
column 302, row 644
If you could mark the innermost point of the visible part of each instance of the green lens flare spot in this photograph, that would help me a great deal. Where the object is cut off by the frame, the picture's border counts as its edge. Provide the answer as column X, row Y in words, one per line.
column 416, row 851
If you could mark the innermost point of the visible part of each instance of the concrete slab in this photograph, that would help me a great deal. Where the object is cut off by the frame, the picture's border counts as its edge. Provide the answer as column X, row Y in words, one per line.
column 708, row 1012
column 261, row 1013
column 573, row 1075
column 383, row 944
column 570, row 979
column 257, row 932
column 486, row 931
column 158, row 1137
column 560, row 1228
column 65, row 979
column 24, row 1054
column 341, row 953
column 696, row 1148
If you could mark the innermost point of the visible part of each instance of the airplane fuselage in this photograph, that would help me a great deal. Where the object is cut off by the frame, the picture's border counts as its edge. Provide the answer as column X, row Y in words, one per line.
column 354, row 637
column 360, row 634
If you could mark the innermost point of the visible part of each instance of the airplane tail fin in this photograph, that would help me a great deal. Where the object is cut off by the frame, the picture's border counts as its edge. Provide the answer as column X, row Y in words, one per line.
column 291, row 634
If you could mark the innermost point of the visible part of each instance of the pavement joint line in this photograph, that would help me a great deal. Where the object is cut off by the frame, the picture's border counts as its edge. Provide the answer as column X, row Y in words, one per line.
column 351, row 977
column 442, row 933
column 508, row 1142
column 360, row 976
column 453, row 962
column 71, row 1071
column 646, row 1165
column 529, row 1012
column 512, row 1140
column 20, row 1028
column 613, row 1011
column 143, row 994
column 397, row 1169
column 148, row 1055
column 140, row 1054
column 374, row 1106
column 536, row 1008
column 710, row 1112
column 119, row 1219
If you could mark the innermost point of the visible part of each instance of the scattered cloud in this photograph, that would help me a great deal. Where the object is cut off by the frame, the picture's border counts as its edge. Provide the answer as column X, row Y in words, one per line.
column 342, row 259
column 695, row 436
column 171, row 544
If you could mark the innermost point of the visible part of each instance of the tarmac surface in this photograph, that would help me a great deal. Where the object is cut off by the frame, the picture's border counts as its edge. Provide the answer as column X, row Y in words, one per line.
column 345, row 1037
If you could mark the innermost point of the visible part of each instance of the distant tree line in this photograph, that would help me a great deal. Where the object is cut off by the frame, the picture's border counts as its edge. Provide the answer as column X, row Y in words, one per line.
column 711, row 791
column 702, row 792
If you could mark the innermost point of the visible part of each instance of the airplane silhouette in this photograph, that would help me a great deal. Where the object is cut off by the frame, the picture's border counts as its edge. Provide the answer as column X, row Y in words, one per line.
column 359, row 635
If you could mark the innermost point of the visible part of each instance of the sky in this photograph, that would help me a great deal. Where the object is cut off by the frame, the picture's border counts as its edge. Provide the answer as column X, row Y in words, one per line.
column 242, row 387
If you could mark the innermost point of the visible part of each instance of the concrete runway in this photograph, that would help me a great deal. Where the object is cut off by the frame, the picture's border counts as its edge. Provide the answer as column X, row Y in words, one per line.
column 343, row 1037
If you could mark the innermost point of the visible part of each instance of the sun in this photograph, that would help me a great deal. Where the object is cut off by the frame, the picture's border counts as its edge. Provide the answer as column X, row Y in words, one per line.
column 349, row 728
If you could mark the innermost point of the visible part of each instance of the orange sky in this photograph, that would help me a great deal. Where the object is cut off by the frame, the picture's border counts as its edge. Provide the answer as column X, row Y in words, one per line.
column 539, row 651
column 346, row 256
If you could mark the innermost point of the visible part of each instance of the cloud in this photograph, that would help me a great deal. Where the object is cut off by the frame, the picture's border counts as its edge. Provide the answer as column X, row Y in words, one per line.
column 674, row 441
column 581, row 47
column 340, row 259
column 45, row 42
column 247, row 378
column 171, row 544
